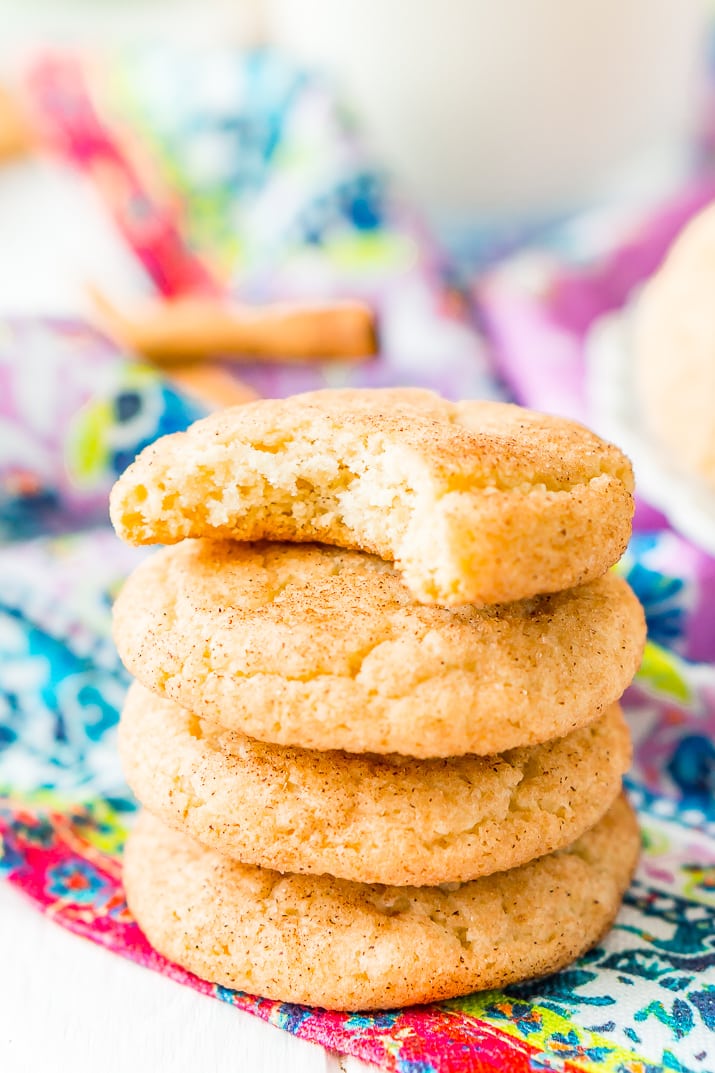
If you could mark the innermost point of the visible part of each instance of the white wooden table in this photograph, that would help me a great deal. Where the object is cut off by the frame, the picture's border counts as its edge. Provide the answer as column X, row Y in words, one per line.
column 71, row 1006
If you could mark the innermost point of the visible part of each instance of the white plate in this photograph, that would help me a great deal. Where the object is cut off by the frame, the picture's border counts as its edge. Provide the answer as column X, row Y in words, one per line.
column 687, row 503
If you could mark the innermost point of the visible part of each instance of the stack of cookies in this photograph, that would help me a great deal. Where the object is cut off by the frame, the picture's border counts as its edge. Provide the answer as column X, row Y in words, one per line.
column 375, row 725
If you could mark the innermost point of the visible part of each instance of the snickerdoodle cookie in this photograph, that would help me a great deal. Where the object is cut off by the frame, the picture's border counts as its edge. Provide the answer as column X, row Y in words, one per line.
column 368, row 818
column 327, row 649
column 475, row 502
column 674, row 350
column 328, row 942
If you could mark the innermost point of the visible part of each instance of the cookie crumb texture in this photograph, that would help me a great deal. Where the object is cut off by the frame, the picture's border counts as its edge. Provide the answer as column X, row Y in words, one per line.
column 367, row 818
column 475, row 502
column 327, row 649
column 348, row 946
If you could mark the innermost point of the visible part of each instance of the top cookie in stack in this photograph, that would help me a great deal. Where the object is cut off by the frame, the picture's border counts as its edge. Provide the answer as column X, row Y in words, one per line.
column 475, row 502
column 461, row 642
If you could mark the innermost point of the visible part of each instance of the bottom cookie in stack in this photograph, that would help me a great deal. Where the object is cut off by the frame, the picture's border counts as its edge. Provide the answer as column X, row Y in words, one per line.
column 330, row 942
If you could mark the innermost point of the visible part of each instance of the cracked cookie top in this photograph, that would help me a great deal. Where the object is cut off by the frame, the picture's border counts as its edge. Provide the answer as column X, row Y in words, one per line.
column 363, row 817
column 327, row 649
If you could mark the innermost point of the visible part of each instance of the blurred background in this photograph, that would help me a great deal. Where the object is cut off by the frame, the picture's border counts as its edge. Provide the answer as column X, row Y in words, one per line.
column 487, row 113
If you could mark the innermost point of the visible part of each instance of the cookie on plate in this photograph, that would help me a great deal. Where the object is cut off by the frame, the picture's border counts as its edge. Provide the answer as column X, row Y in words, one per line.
column 476, row 502
column 351, row 946
column 673, row 348
column 367, row 818
column 326, row 649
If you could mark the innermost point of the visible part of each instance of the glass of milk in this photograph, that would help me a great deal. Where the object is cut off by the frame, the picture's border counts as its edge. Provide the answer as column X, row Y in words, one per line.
column 497, row 108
